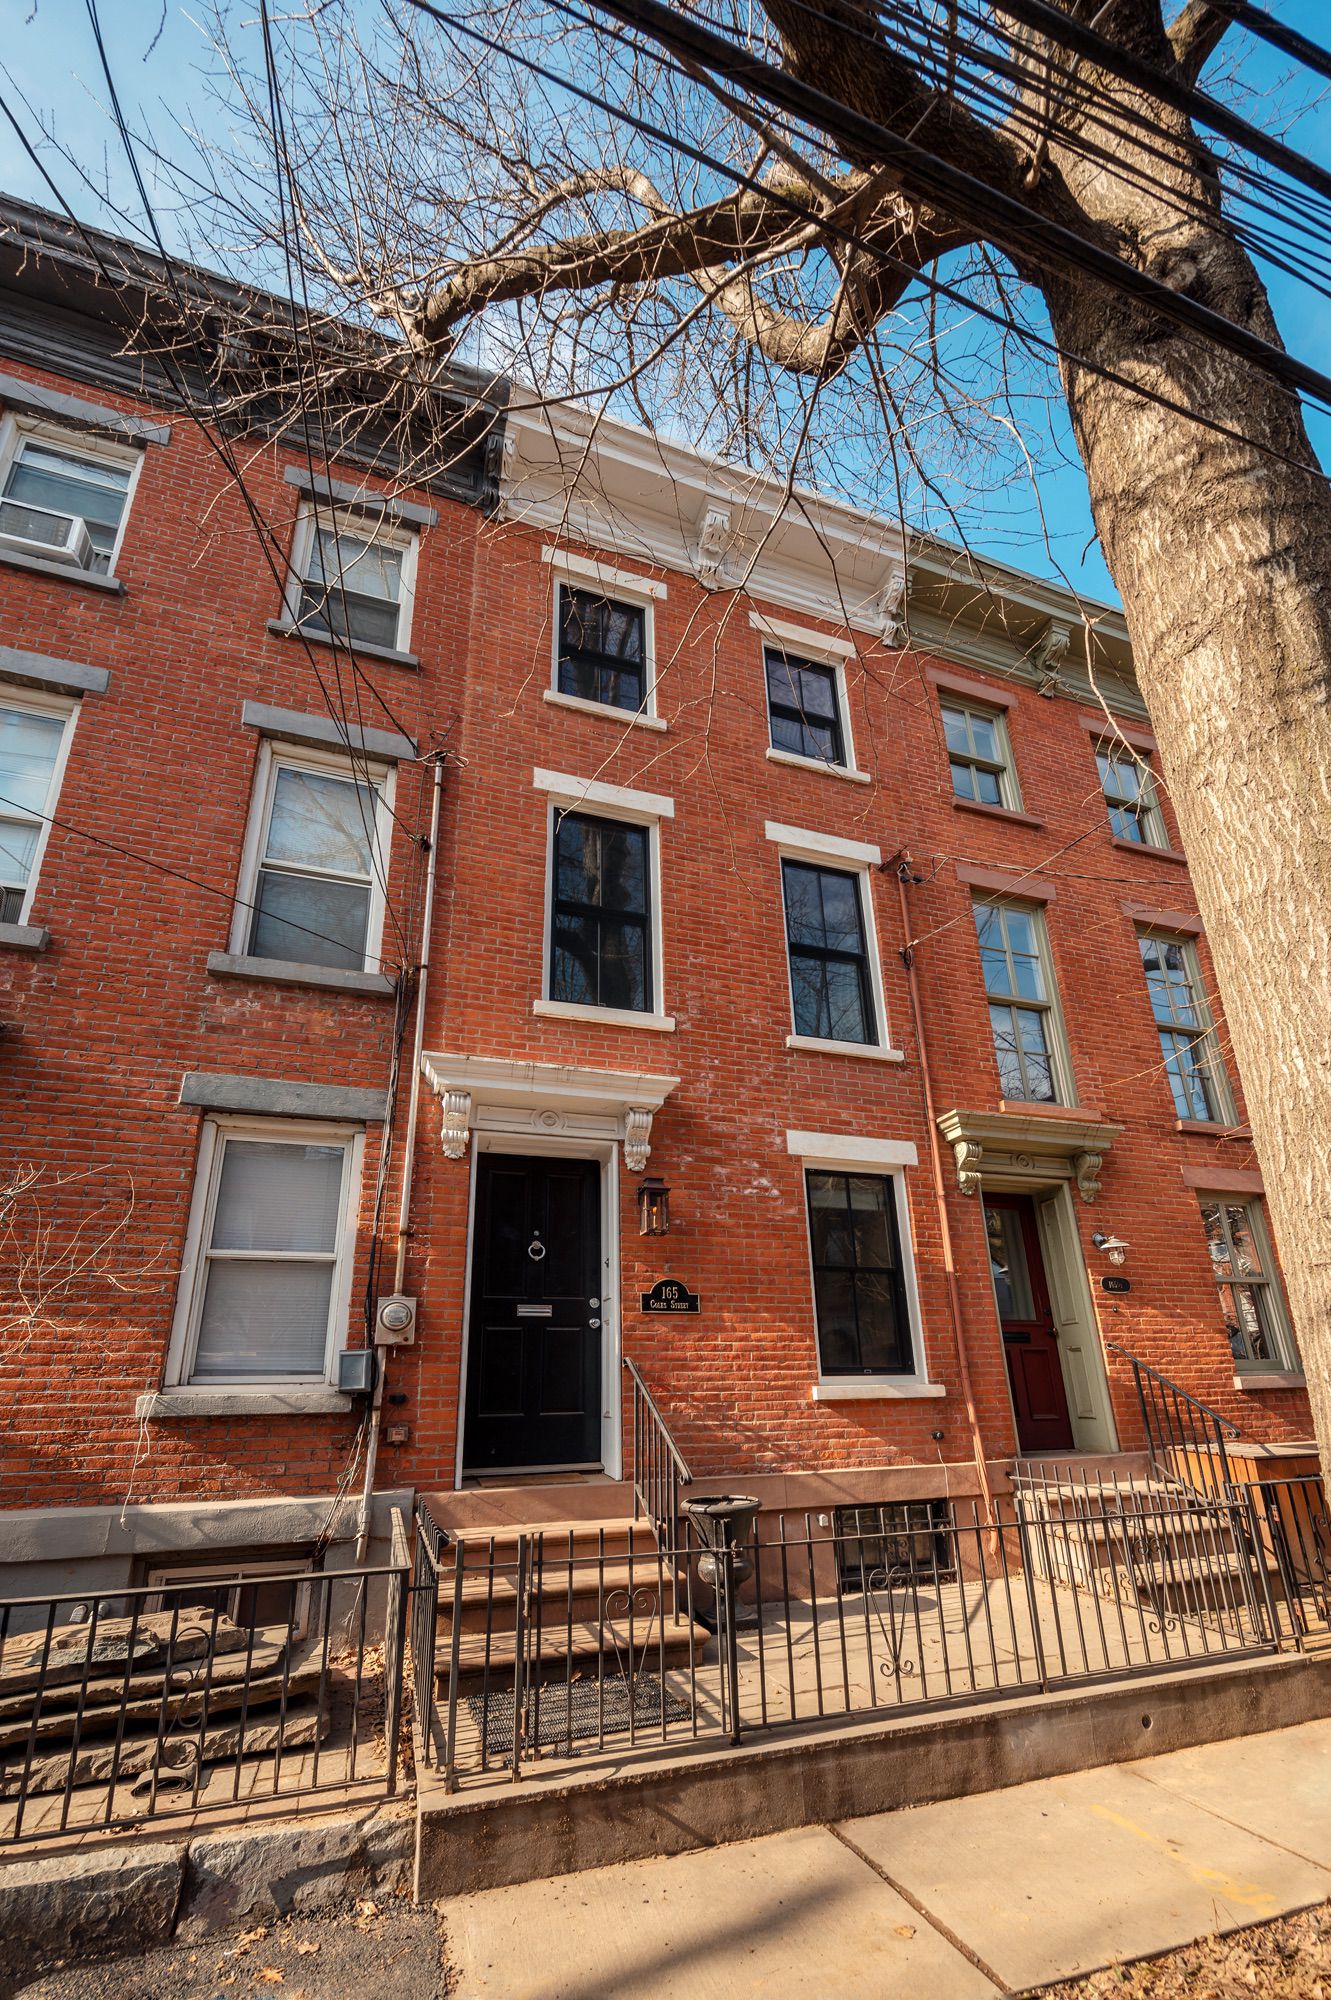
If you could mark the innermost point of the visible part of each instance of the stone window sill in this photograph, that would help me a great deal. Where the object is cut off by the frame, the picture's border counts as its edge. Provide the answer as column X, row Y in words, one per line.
column 315, row 1400
column 283, row 628
column 627, row 718
column 86, row 579
column 874, row 1388
column 867, row 1051
column 613, row 1017
column 799, row 763
column 284, row 972
column 1144, row 847
column 1006, row 813
column 1275, row 1378
column 1207, row 1129
column 23, row 937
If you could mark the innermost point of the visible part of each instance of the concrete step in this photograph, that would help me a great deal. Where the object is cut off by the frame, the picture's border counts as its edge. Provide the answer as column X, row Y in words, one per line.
column 615, row 1535
column 589, row 1592
column 652, row 1639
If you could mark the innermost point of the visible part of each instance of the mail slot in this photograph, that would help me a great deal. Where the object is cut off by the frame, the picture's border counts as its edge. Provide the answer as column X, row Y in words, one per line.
column 534, row 1312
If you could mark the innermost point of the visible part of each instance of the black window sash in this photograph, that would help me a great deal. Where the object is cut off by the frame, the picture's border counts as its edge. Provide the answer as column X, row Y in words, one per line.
column 603, row 915
column 893, row 1273
column 806, row 719
column 603, row 664
column 823, row 954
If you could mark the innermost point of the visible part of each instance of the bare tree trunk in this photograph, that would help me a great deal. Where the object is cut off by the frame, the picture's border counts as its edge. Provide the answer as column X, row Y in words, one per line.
column 1223, row 558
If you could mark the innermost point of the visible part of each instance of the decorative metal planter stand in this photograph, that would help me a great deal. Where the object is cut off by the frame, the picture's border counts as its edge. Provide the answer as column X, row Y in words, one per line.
column 724, row 1525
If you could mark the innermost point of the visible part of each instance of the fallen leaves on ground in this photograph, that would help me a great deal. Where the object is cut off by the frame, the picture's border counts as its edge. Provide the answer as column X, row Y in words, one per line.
column 1287, row 1959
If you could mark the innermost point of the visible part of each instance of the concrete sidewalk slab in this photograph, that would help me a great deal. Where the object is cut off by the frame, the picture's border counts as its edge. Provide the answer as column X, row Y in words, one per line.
column 1059, row 1877
column 795, row 1916
column 1277, row 1785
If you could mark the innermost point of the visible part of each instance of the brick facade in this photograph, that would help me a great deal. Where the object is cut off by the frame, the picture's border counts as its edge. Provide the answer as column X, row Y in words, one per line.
column 105, row 1022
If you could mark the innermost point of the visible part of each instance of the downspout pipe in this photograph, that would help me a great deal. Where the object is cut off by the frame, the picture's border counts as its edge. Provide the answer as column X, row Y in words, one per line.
column 904, row 877
column 408, row 1162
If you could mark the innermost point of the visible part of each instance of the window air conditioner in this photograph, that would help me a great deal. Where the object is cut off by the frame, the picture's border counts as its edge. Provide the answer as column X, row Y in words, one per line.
column 58, row 537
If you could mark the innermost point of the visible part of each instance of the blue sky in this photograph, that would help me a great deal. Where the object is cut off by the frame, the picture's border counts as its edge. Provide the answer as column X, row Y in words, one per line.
column 50, row 75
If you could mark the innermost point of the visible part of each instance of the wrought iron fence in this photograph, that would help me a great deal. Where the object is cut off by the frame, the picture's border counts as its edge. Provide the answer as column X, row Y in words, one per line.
column 1185, row 1438
column 557, row 1650
column 166, row 1699
column 660, row 1475
column 1295, row 1534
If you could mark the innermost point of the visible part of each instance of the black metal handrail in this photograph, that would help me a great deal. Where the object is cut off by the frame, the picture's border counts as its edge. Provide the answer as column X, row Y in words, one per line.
column 1181, row 1430
column 659, row 1471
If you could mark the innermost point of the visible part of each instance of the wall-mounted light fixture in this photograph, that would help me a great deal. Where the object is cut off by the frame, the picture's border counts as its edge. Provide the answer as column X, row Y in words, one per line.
column 653, row 1207
column 1114, row 1248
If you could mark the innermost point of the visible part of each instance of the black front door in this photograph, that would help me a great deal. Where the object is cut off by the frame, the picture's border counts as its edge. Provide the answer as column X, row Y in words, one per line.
column 534, row 1355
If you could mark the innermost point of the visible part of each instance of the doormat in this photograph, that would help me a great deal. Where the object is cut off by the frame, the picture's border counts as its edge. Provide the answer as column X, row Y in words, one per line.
column 573, row 1713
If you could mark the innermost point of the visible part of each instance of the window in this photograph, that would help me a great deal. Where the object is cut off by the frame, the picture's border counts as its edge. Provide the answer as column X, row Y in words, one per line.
column 32, row 752
column 266, row 1289
column 1129, row 791
column 1187, row 1038
column 63, row 499
column 830, row 979
column 980, row 756
column 600, row 918
column 804, row 707
column 1241, row 1262
column 252, row 1591
column 319, row 845
column 353, row 578
column 858, row 1279
column 602, row 649
column 1018, row 978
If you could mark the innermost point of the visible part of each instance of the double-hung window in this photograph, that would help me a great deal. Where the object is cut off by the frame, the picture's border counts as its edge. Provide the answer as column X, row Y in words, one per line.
column 266, row 1290
column 804, row 707
column 1187, row 1036
column 1244, row 1271
column 980, row 755
column 600, row 913
column 1023, row 1015
column 859, row 1282
column 352, row 578
column 63, row 499
column 33, row 740
column 602, row 649
column 1129, row 789
column 311, row 893
column 831, row 980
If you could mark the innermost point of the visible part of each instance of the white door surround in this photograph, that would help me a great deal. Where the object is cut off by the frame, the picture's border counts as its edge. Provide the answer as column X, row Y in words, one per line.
column 490, row 1104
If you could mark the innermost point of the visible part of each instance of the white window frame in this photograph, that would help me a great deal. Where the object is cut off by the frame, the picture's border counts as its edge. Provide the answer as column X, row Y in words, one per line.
column 1226, row 1112
column 15, row 428
column 848, row 857
column 825, row 651
column 275, row 756
column 1287, row 1360
column 612, row 802
column 619, row 586
column 370, row 526
column 59, row 708
column 1009, row 790
column 216, row 1130
column 1060, row 1052
column 1152, row 818
column 889, row 1159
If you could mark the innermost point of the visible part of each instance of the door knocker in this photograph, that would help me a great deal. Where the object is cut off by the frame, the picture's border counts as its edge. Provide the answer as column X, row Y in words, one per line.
column 536, row 1249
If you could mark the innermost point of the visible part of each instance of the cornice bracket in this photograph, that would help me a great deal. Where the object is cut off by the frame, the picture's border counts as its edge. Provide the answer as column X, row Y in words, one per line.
column 889, row 607
column 713, row 543
column 1049, row 654
column 455, row 1124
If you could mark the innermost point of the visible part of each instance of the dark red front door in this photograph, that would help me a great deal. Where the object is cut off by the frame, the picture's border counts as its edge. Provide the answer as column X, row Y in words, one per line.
column 1030, row 1338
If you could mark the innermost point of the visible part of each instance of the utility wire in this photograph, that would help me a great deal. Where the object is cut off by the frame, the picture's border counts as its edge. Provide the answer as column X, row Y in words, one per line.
column 856, row 240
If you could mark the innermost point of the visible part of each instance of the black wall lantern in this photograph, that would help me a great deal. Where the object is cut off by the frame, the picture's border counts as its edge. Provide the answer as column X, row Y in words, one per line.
column 653, row 1207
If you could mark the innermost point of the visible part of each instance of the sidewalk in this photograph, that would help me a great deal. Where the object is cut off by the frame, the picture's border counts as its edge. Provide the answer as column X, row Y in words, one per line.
column 997, row 1893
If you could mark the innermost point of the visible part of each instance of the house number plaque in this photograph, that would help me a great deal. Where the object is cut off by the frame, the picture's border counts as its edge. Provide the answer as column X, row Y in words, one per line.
column 669, row 1295
column 1115, row 1284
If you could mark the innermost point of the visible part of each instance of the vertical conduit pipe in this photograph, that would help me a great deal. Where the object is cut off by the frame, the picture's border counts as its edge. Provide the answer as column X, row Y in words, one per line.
column 903, row 873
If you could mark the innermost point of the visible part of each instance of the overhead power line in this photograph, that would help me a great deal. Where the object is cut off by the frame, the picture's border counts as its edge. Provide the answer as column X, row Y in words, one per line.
column 1012, row 225
column 1267, row 29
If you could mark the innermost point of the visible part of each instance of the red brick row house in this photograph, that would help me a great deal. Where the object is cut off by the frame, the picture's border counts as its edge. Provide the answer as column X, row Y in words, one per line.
column 816, row 1013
